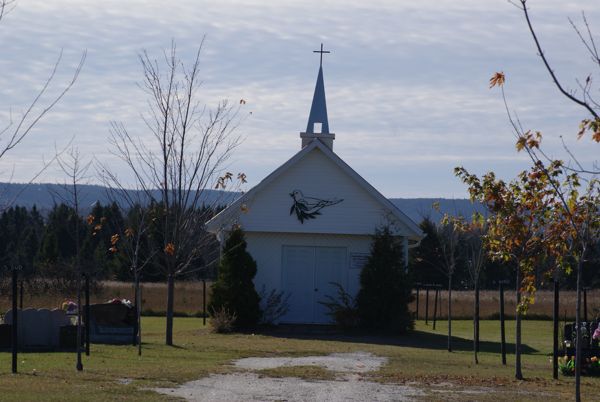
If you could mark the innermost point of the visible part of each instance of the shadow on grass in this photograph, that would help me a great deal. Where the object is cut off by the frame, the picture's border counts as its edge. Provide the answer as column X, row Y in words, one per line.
column 412, row 339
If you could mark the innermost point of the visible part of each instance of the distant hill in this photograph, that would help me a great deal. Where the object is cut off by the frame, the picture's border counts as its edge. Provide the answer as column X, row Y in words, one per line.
column 44, row 196
column 419, row 208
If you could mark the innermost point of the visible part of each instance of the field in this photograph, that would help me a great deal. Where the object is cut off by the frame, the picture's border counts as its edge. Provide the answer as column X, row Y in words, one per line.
column 188, row 297
column 489, row 304
column 418, row 359
column 188, row 300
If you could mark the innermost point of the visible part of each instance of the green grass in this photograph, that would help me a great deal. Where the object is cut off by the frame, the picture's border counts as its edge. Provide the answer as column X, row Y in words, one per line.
column 419, row 358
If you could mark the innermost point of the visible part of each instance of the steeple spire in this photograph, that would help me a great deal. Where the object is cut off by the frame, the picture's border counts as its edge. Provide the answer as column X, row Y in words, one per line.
column 318, row 109
column 318, row 125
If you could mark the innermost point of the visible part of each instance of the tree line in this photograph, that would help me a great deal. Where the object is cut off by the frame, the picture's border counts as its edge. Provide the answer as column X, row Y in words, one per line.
column 427, row 265
column 44, row 245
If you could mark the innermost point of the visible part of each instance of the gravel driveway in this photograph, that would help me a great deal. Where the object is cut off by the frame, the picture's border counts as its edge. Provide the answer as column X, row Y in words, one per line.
column 249, row 386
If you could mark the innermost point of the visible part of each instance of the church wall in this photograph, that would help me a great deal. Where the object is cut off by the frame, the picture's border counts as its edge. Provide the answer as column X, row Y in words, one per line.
column 267, row 248
column 317, row 176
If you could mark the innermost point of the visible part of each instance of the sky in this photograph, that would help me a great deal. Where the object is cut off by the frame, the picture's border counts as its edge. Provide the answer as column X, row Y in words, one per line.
column 406, row 81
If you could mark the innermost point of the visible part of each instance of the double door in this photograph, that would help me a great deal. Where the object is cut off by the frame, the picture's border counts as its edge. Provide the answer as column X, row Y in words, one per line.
column 308, row 277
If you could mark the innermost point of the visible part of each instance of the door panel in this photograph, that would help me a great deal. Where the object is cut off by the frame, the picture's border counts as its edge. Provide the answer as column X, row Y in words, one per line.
column 298, row 282
column 329, row 269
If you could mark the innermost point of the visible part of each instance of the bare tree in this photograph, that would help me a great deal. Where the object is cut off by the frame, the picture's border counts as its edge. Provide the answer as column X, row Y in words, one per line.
column 191, row 145
column 449, row 234
column 131, row 237
column 14, row 132
column 76, row 172
column 476, row 257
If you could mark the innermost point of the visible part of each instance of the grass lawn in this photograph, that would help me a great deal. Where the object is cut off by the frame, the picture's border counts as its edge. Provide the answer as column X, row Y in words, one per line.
column 419, row 359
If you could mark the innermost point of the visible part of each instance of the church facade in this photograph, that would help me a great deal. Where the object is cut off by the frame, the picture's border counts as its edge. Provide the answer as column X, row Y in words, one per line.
column 310, row 222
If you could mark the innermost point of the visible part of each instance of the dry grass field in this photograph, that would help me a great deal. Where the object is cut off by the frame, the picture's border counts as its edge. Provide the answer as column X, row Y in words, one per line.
column 188, row 301
column 489, row 304
column 188, row 297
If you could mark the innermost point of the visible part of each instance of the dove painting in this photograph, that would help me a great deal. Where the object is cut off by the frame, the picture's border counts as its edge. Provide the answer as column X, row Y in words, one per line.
column 309, row 207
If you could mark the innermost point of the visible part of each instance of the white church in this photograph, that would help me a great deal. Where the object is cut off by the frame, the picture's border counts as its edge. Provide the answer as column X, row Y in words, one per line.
column 310, row 222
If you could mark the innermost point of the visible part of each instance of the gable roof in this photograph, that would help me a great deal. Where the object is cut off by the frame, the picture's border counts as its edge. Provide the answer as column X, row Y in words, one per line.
column 225, row 216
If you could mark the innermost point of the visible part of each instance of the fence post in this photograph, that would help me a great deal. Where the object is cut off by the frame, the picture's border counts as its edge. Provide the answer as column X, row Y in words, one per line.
column 417, row 313
column 15, row 311
column 87, row 314
column 585, row 304
column 555, row 332
column 427, row 306
column 435, row 306
column 502, row 327
column 204, row 302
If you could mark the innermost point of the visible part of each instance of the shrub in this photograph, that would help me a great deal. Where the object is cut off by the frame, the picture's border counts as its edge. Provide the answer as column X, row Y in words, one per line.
column 276, row 305
column 342, row 309
column 234, row 287
column 385, row 292
column 222, row 321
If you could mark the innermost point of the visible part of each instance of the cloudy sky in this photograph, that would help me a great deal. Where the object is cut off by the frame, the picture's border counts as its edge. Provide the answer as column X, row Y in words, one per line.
column 406, row 82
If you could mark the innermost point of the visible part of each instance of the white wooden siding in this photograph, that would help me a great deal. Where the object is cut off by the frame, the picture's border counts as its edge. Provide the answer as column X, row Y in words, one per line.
column 267, row 248
column 317, row 176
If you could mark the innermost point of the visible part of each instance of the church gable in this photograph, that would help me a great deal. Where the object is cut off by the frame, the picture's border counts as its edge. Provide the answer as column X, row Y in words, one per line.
column 315, row 195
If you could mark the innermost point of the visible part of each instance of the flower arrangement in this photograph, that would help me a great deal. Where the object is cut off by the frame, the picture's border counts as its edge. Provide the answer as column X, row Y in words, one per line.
column 124, row 302
column 591, row 366
column 566, row 365
column 69, row 306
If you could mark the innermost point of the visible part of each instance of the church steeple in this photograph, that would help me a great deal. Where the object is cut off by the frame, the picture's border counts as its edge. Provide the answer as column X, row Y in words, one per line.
column 318, row 125
column 318, row 109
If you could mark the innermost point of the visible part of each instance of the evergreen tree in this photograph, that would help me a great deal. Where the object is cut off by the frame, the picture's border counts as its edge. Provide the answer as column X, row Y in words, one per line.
column 385, row 291
column 234, row 289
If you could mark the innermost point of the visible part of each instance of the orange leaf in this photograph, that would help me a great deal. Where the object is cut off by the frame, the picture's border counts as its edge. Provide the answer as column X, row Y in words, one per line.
column 497, row 79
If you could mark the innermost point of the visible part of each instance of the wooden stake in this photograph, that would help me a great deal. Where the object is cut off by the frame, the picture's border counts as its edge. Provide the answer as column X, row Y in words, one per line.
column 427, row 306
column 14, row 339
column 502, row 327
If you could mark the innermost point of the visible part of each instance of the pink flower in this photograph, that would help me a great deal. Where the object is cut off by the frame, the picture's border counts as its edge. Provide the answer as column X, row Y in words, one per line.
column 596, row 333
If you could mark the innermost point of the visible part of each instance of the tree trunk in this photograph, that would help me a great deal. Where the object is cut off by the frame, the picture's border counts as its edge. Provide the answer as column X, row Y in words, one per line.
column 87, row 314
column 502, row 328
column 15, row 313
column 450, row 313
column 170, row 302
column 476, row 323
column 138, row 312
column 578, row 356
column 518, row 372
column 79, row 365
column 555, row 332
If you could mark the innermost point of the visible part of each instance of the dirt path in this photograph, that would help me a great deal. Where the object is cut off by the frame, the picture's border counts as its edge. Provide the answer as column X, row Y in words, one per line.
column 250, row 386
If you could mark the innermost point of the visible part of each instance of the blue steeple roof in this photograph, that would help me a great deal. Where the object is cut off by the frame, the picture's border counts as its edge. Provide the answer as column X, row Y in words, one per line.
column 318, row 110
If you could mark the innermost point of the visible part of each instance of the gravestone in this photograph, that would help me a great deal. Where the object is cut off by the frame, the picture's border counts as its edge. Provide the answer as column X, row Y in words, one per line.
column 111, row 323
column 39, row 329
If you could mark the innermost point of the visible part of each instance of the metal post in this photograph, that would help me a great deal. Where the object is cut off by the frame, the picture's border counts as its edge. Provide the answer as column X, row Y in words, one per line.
column 203, row 301
column 476, row 339
column 435, row 306
column 21, row 295
column 87, row 315
column 585, row 305
column 14, row 338
column 427, row 306
column 417, row 312
column 555, row 332
column 502, row 327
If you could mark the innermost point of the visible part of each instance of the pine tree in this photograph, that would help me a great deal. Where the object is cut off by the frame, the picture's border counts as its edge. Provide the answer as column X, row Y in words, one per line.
column 385, row 291
column 234, row 289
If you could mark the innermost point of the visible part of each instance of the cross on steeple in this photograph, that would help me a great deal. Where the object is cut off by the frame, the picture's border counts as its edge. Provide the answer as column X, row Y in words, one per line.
column 321, row 51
